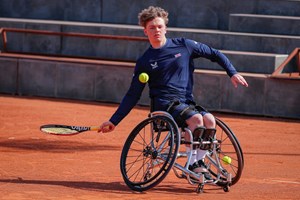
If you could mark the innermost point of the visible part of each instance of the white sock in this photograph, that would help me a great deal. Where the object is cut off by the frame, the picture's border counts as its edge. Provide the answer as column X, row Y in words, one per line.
column 194, row 156
column 201, row 154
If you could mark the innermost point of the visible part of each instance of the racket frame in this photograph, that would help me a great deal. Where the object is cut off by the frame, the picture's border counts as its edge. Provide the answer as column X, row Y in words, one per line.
column 74, row 130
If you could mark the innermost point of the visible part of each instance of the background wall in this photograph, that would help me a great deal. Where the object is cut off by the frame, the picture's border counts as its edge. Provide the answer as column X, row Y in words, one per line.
column 256, row 35
column 206, row 14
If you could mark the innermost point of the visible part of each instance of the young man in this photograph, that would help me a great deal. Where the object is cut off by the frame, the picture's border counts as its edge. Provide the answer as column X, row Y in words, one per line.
column 169, row 64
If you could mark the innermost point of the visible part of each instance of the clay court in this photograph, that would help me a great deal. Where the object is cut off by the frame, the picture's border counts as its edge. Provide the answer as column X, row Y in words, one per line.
column 34, row 165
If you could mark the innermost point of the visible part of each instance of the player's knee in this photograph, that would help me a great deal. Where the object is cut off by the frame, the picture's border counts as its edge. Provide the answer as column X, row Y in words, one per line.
column 209, row 121
column 195, row 121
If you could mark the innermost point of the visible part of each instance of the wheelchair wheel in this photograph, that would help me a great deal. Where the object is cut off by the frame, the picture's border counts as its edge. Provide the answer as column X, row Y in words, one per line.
column 149, row 152
column 228, row 145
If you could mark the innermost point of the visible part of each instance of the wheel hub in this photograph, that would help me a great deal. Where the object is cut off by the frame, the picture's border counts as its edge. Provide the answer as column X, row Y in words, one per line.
column 149, row 152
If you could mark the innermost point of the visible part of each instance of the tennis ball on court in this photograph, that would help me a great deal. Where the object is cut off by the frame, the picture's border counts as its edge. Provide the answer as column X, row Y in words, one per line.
column 143, row 77
column 226, row 160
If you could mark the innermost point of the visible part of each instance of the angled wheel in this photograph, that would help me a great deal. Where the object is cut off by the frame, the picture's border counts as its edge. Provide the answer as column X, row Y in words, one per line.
column 149, row 152
column 229, row 146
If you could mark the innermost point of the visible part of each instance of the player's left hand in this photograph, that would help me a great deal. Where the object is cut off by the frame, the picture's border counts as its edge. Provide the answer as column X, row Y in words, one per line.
column 238, row 79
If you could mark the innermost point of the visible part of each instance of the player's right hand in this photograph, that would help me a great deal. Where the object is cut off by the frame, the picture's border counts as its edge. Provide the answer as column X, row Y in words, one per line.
column 106, row 127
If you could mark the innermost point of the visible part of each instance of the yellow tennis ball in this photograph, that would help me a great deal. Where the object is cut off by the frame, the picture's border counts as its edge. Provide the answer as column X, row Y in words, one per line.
column 226, row 160
column 143, row 77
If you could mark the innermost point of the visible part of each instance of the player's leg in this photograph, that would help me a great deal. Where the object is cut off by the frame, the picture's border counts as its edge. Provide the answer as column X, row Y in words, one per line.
column 200, row 129
column 209, row 123
column 208, row 120
column 187, row 115
column 195, row 122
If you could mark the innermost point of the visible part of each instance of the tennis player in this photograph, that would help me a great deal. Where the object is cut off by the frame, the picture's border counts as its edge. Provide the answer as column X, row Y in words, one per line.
column 169, row 64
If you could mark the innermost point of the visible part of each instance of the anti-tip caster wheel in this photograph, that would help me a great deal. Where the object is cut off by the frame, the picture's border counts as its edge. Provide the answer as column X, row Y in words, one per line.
column 199, row 189
column 226, row 188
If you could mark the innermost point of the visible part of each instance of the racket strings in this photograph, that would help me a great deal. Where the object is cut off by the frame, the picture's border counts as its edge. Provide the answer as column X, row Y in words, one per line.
column 55, row 130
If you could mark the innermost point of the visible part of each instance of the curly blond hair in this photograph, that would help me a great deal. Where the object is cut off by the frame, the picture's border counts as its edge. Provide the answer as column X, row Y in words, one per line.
column 150, row 13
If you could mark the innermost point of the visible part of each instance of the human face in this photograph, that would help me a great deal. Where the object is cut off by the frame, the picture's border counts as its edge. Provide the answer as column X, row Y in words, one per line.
column 156, row 31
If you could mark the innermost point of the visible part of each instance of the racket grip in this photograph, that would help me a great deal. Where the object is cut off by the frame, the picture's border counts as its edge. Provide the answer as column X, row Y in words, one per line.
column 94, row 128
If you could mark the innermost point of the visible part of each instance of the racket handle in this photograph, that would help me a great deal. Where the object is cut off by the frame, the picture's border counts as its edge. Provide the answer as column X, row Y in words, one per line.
column 94, row 128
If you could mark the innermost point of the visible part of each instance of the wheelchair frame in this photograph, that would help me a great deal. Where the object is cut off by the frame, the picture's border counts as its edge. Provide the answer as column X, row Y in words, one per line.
column 152, row 150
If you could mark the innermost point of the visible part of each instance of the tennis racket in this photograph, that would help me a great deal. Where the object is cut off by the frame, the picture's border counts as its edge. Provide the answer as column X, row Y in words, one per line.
column 65, row 130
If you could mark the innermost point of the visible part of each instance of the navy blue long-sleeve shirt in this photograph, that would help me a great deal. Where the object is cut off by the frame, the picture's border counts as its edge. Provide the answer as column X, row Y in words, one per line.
column 170, row 69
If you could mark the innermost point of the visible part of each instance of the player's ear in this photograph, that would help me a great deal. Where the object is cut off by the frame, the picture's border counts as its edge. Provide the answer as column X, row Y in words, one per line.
column 145, row 32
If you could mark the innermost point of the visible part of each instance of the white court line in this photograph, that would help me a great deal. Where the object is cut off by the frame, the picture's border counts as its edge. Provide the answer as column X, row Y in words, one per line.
column 282, row 181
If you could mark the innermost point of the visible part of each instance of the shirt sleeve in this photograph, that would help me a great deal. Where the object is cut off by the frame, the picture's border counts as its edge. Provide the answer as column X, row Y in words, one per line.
column 129, row 100
column 202, row 50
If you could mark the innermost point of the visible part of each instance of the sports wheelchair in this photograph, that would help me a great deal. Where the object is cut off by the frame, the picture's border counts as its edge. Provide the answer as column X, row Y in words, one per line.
column 153, row 149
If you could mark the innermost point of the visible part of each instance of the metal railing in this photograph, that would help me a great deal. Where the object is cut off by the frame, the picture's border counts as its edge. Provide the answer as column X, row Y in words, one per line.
column 280, row 73
column 5, row 31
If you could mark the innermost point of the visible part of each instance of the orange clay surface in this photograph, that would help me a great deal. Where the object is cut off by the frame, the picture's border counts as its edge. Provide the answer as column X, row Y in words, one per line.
column 34, row 165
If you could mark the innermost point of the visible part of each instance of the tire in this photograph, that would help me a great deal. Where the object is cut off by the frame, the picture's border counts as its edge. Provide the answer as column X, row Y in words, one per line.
column 228, row 146
column 149, row 152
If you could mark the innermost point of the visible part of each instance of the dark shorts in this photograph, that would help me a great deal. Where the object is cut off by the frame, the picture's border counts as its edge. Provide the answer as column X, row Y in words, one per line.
column 183, row 111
